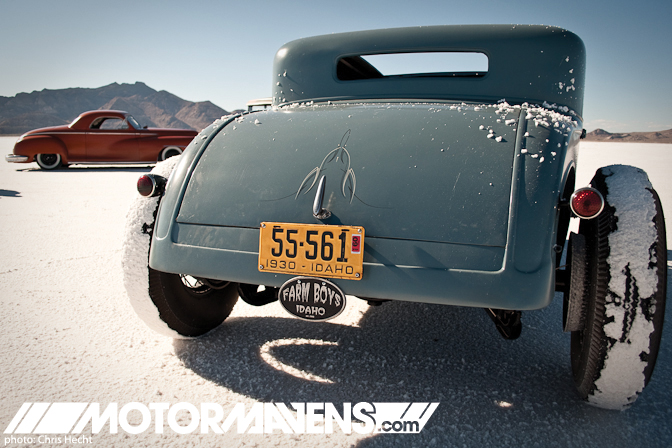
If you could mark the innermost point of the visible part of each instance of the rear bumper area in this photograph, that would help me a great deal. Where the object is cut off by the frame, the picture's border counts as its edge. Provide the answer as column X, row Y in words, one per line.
column 449, row 274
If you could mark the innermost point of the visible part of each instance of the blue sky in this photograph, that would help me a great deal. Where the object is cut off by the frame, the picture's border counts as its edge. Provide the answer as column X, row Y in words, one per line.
column 222, row 51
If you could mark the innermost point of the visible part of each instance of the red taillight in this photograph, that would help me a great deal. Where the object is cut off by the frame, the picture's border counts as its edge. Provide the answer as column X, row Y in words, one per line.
column 146, row 185
column 586, row 203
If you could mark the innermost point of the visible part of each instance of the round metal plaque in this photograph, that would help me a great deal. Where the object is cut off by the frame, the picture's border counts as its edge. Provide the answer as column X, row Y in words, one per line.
column 312, row 298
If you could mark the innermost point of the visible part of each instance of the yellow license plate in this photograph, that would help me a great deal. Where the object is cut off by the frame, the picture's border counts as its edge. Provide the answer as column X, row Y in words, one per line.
column 313, row 250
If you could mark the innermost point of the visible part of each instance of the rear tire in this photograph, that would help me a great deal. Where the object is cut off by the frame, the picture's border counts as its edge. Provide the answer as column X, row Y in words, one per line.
column 614, row 355
column 174, row 305
column 191, row 308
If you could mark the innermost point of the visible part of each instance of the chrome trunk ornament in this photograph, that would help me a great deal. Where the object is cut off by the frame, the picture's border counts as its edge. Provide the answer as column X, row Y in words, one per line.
column 318, row 211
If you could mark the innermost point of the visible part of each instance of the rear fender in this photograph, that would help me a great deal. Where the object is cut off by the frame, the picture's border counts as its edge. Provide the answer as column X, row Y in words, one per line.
column 547, row 161
column 179, row 178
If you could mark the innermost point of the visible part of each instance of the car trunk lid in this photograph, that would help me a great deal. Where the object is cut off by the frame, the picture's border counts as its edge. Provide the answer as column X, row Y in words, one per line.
column 426, row 172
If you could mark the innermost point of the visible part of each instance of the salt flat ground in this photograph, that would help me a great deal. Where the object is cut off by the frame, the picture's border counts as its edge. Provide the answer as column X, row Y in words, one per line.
column 68, row 334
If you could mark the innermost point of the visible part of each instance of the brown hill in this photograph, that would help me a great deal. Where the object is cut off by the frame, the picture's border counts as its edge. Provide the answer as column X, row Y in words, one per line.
column 26, row 111
column 600, row 135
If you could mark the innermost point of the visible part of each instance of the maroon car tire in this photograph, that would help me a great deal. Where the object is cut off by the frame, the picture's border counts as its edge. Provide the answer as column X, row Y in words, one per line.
column 48, row 161
column 169, row 152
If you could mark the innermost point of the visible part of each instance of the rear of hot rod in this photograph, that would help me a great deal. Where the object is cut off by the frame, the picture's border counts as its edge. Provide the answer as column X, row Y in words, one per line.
column 451, row 187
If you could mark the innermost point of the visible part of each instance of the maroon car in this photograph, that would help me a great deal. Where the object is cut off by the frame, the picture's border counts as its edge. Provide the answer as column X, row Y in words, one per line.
column 99, row 136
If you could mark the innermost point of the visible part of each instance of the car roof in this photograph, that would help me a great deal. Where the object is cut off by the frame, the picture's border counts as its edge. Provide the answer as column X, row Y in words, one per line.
column 103, row 113
column 526, row 63
column 85, row 118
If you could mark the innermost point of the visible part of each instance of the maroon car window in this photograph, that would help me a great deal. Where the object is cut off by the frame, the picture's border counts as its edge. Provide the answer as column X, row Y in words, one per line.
column 109, row 123
column 133, row 122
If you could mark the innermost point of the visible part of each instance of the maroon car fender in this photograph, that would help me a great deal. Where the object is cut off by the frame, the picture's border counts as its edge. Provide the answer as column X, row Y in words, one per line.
column 41, row 144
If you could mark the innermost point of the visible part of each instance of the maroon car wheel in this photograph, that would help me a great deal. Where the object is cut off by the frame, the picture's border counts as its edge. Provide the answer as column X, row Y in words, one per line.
column 48, row 161
column 170, row 151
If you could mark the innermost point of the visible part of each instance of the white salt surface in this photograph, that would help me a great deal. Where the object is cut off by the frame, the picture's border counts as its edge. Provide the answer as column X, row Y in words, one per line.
column 69, row 334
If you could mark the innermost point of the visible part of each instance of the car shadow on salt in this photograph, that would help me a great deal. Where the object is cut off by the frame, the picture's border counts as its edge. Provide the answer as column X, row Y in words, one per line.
column 492, row 391
column 10, row 194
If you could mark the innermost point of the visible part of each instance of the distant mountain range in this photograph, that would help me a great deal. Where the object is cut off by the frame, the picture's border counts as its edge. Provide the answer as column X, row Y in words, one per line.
column 600, row 135
column 26, row 111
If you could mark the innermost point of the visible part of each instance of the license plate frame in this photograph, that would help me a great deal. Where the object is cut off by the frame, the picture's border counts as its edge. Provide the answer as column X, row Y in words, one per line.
column 319, row 250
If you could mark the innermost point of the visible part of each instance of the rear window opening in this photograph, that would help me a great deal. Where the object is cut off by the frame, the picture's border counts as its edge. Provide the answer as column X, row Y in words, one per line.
column 412, row 65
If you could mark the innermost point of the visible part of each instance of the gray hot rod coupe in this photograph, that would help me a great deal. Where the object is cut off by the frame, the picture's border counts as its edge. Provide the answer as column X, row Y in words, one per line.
column 450, row 187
